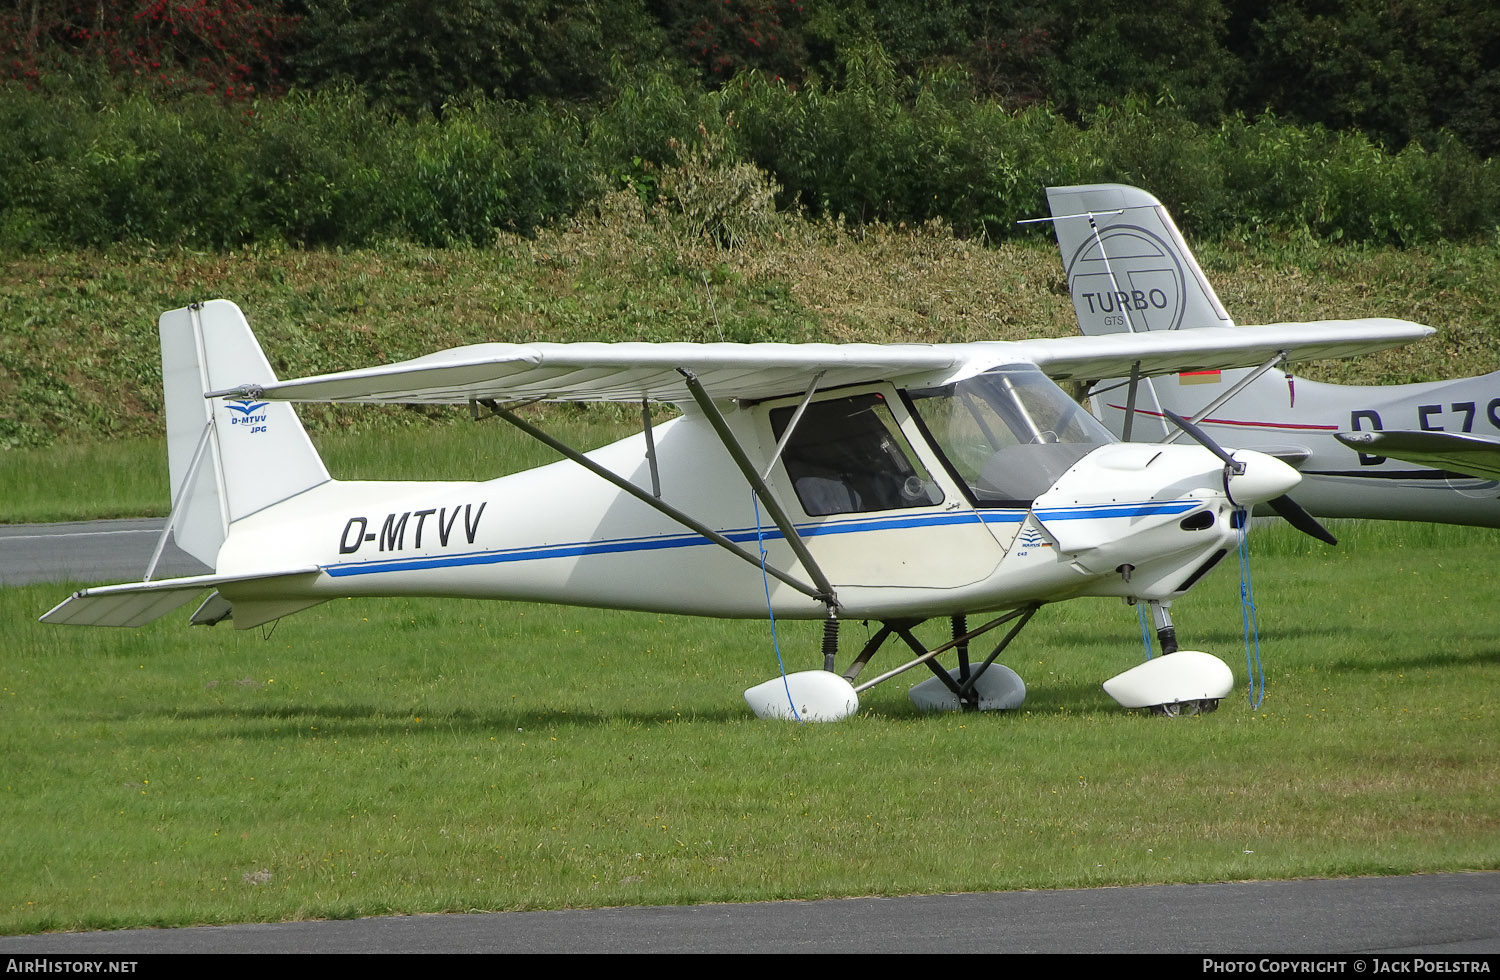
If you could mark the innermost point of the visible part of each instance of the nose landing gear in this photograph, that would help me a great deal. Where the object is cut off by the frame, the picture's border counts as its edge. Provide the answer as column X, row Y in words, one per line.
column 1179, row 683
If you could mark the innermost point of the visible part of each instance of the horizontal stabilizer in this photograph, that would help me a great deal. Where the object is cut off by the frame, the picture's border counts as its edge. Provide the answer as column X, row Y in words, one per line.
column 138, row 603
column 215, row 610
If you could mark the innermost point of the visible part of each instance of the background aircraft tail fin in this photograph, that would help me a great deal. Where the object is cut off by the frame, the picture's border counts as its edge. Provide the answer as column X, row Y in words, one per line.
column 228, row 458
column 1127, row 265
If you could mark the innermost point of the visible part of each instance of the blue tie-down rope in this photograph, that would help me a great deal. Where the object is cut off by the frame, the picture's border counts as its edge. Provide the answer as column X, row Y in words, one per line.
column 1140, row 611
column 765, row 582
column 1249, row 622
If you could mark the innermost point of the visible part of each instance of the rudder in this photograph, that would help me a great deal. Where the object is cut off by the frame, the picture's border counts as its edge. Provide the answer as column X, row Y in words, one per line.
column 227, row 458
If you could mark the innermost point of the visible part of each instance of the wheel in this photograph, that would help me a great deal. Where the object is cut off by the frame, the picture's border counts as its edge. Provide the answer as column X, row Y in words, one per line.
column 1186, row 709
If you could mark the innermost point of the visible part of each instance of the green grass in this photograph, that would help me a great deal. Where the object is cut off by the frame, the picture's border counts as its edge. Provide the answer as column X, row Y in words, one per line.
column 85, row 481
column 419, row 756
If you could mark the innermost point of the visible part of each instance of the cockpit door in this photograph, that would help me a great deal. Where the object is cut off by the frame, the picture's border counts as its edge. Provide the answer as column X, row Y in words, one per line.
column 870, row 498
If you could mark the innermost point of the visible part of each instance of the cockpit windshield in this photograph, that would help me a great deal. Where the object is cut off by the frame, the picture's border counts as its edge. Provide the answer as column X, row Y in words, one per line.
column 1009, row 433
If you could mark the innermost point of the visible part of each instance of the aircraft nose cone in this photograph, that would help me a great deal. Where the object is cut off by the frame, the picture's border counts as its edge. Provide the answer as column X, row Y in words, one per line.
column 1265, row 478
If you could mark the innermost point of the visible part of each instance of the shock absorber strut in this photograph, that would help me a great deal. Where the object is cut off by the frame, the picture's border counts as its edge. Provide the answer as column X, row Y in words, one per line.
column 830, row 640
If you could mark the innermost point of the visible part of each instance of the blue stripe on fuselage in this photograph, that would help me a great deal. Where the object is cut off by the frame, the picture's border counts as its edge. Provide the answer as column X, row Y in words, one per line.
column 888, row 522
column 1115, row 510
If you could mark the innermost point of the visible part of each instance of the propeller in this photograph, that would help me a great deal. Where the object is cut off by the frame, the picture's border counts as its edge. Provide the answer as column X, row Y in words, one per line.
column 1203, row 439
column 1283, row 505
column 1293, row 513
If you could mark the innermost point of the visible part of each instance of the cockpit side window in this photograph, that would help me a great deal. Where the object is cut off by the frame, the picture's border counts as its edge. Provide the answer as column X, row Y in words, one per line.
column 849, row 456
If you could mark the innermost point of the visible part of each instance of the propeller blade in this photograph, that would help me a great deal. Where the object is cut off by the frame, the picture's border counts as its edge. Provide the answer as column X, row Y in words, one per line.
column 1300, row 519
column 1283, row 505
column 1206, row 441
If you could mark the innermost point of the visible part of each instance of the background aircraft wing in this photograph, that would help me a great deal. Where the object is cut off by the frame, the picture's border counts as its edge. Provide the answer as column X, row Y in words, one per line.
column 1458, row 452
column 625, row 372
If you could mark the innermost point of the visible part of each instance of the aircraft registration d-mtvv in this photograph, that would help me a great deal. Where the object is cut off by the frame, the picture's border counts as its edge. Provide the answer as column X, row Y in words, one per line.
column 895, row 483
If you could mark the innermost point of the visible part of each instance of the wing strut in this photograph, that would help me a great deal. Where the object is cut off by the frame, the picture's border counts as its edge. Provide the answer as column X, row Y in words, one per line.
column 791, row 426
column 1135, row 381
column 1235, row 389
column 650, row 447
column 778, row 514
column 647, row 498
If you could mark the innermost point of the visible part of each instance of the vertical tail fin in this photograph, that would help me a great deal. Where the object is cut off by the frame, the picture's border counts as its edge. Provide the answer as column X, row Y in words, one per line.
column 1127, row 265
column 228, row 459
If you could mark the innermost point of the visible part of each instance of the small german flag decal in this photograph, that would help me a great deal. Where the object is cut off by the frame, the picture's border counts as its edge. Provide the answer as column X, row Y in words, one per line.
column 1198, row 378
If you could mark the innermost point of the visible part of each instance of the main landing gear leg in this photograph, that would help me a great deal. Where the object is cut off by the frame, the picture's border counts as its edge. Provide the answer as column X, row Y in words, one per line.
column 987, row 686
column 821, row 695
column 830, row 641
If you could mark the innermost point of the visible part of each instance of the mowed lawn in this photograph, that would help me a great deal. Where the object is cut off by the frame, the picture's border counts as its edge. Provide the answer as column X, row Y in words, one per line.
column 368, row 756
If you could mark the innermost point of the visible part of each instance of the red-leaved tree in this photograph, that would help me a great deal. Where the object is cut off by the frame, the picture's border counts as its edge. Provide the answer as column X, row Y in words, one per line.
column 228, row 47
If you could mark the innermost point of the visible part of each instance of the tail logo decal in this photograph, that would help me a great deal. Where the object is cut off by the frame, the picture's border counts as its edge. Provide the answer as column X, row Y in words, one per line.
column 244, row 413
column 1127, row 279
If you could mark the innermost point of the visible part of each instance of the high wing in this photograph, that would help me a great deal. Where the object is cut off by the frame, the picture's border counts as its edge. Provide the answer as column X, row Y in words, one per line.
column 1215, row 348
column 1458, row 452
column 637, row 371
column 625, row 372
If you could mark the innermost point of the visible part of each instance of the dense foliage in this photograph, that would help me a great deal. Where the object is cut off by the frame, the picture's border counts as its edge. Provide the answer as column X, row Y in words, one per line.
column 1397, row 71
column 215, row 123
column 330, row 168
column 232, row 47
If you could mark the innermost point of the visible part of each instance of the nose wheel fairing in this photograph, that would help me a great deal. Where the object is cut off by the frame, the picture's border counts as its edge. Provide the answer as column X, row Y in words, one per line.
column 1185, row 682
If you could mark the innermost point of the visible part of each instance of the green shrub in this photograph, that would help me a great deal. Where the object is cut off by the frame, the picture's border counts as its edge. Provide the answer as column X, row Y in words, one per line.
column 330, row 169
column 712, row 198
column 487, row 167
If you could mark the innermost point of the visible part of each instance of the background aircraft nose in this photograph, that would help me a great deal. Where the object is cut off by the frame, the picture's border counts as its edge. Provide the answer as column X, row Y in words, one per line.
column 1265, row 478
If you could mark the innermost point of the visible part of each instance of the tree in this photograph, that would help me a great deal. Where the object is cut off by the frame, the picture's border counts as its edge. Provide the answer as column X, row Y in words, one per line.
column 420, row 55
column 1399, row 71
column 231, row 47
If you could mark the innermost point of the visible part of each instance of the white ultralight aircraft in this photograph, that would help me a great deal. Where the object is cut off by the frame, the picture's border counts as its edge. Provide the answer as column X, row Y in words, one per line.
column 890, row 483
column 1420, row 452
